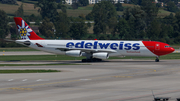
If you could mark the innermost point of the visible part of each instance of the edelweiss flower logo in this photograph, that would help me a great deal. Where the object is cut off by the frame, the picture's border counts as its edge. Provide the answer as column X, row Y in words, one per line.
column 24, row 31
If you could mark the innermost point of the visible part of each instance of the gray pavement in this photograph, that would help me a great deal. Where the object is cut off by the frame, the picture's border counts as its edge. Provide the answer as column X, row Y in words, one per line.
column 112, row 80
column 40, row 53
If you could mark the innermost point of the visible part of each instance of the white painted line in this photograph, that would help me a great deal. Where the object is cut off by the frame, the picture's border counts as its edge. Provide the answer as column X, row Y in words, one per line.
column 11, row 80
column 24, row 80
column 84, row 79
column 39, row 80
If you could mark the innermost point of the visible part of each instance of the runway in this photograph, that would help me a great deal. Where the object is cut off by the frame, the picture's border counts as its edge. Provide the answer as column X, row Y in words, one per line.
column 40, row 52
column 112, row 80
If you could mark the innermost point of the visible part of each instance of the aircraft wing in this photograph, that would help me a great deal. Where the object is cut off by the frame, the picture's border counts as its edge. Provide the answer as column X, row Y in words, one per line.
column 88, row 50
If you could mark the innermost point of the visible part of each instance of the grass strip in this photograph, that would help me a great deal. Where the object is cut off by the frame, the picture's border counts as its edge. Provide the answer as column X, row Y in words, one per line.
column 17, row 49
column 165, row 57
column 28, row 71
column 37, row 64
column 38, row 57
column 65, row 57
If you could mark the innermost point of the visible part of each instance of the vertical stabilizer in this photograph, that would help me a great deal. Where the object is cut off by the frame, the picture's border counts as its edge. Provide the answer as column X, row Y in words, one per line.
column 25, row 31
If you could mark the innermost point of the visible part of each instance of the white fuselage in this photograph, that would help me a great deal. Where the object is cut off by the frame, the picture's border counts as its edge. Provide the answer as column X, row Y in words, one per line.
column 113, row 48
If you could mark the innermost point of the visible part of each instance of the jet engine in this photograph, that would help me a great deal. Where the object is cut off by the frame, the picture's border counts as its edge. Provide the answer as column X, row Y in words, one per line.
column 75, row 53
column 101, row 55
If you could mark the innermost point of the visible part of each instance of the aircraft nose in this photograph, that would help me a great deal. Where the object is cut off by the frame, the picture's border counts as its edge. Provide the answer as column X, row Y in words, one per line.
column 172, row 49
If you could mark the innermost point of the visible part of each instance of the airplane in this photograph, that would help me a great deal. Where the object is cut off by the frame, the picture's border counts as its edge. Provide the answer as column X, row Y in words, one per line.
column 93, row 50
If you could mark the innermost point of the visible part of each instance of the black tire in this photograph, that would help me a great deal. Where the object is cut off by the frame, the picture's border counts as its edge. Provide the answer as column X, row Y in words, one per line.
column 84, row 60
column 157, row 60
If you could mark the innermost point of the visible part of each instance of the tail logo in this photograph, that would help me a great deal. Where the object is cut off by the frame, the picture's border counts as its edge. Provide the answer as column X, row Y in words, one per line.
column 24, row 31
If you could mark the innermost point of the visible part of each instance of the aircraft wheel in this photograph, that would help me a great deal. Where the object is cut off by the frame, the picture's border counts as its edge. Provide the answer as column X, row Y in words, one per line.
column 96, row 60
column 157, row 60
column 84, row 60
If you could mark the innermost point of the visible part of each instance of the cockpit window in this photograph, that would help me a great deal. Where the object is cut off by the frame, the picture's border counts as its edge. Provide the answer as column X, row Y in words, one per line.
column 167, row 46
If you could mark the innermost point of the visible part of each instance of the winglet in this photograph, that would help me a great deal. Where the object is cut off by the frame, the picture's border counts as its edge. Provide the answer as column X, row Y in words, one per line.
column 25, row 31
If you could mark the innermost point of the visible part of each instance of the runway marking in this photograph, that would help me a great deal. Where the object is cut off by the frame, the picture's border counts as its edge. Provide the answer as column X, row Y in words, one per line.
column 41, row 80
column 122, row 76
column 127, row 75
column 21, row 89
column 10, row 79
column 85, row 79
column 24, row 80
column 39, row 84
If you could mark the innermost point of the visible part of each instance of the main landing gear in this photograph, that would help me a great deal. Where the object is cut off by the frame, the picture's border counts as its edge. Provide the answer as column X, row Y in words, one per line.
column 157, row 59
column 91, row 60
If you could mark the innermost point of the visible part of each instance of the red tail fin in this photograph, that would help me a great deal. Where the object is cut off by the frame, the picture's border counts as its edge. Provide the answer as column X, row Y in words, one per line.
column 25, row 31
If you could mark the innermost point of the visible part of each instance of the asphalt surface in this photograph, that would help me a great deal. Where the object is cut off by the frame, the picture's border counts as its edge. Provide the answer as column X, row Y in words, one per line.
column 40, row 52
column 111, row 80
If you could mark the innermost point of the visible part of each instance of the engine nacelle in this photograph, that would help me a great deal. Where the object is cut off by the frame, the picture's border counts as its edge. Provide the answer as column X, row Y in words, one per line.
column 75, row 53
column 101, row 55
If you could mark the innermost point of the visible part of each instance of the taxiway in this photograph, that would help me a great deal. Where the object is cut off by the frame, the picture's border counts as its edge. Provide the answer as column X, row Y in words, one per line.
column 112, row 80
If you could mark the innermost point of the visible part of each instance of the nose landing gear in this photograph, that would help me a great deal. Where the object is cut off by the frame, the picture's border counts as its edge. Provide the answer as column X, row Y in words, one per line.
column 157, row 59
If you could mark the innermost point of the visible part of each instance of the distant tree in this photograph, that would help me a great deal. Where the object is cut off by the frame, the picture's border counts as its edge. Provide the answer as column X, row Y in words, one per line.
column 90, row 16
column 46, row 28
column 89, row 24
column 48, row 8
column 84, row 2
column 112, row 23
column 177, row 25
column 172, row 7
column 4, row 28
column 78, row 29
column 20, row 12
column 8, row 1
column 61, row 1
column 136, row 18
column 102, row 13
column 123, row 29
column 62, row 25
column 125, row 1
column 154, row 30
column 82, row 16
column 166, row 1
column 164, row 31
column 151, row 10
column 119, row 7
column 61, row 6
column 75, row 4
column 13, row 31
column 169, row 20
column 136, row 2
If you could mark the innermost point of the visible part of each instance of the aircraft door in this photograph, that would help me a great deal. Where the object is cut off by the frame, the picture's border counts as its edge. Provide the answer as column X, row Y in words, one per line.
column 157, row 47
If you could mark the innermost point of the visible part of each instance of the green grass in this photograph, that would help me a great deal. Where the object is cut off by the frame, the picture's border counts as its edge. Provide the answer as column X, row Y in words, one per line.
column 38, row 57
column 28, row 71
column 165, row 57
column 77, row 12
column 64, row 57
column 11, row 9
column 38, row 64
column 17, row 49
column 29, row 1
column 162, row 13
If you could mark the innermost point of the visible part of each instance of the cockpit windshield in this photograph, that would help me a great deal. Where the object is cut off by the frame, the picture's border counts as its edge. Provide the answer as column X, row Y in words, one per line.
column 167, row 46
